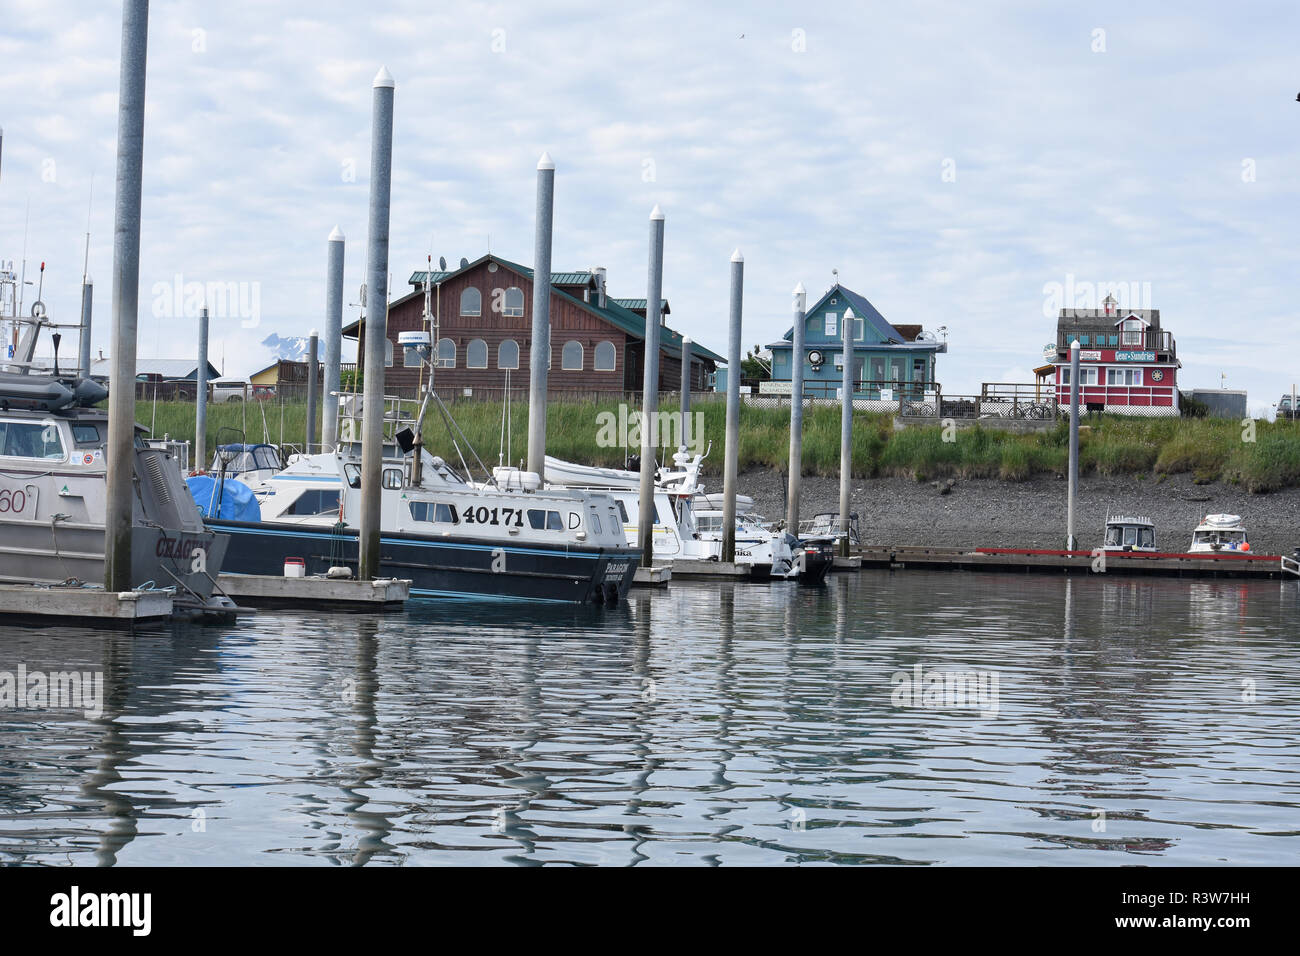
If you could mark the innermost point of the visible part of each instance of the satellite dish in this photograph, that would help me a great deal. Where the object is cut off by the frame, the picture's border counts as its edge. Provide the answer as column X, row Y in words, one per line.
column 463, row 262
column 442, row 263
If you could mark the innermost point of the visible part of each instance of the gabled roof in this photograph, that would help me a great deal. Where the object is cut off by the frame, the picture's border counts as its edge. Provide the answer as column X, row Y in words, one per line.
column 173, row 369
column 862, row 309
column 613, row 313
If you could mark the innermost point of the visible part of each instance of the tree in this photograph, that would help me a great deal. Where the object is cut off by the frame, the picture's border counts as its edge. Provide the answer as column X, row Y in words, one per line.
column 754, row 367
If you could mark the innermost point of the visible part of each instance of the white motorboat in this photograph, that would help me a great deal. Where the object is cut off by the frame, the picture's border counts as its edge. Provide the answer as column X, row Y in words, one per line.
column 1129, row 533
column 1220, row 532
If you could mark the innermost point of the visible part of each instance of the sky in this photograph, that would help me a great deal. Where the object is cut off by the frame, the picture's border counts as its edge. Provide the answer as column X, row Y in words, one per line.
column 958, row 163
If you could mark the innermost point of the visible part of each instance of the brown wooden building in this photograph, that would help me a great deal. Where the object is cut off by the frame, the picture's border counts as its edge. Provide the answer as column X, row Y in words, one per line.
column 483, row 314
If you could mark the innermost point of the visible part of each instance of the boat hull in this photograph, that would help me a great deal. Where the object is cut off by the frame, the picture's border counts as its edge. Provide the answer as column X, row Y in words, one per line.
column 445, row 566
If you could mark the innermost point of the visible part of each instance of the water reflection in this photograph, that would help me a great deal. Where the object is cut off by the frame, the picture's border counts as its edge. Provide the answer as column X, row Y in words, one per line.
column 1137, row 720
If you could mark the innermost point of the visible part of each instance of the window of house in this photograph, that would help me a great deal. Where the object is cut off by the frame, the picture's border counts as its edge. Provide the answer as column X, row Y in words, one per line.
column 476, row 354
column 508, row 354
column 1114, row 340
column 1132, row 332
column 832, row 324
column 471, row 302
column 411, row 358
column 1083, row 340
column 1123, row 376
column 813, row 326
column 514, row 304
column 571, row 357
column 446, row 354
column 918, row 370
column 1087, row 375
column 606, row 357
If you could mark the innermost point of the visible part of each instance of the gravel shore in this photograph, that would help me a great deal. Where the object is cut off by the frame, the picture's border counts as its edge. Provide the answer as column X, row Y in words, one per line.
column 1030, row 514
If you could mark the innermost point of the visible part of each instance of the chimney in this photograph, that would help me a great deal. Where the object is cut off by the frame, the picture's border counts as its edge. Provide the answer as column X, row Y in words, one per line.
column 601, row 275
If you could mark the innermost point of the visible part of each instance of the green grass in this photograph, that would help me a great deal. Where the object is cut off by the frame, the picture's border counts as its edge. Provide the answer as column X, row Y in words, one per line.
column 1209, row 449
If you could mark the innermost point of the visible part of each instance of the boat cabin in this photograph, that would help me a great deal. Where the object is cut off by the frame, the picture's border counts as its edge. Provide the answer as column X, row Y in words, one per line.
column 1220, row 533
column 1130, row 533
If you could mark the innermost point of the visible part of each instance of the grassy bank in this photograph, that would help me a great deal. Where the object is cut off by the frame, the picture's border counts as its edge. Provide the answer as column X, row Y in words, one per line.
column 1208, row 449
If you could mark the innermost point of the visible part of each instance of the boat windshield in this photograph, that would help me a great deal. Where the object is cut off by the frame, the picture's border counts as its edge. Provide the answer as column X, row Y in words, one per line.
column 1130, row 536
column 1222, row 538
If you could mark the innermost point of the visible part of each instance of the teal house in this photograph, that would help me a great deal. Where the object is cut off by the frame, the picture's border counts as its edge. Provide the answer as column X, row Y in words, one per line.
column 899, row 359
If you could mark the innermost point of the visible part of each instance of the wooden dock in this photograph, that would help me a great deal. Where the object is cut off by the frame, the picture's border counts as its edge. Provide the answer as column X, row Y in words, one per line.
column 84, row 605
column 1233, row 565
column 321, row 593
column 712, row 570
column 656, row 577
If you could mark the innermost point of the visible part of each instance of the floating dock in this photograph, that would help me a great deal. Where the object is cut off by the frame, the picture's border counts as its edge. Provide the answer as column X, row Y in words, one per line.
column 715, row 570
column 656, row 577
column 321, row 593
column 1233, row 565
column 85, row 605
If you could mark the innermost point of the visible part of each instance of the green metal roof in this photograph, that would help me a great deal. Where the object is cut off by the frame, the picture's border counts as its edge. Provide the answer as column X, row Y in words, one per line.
column 635, row 304
column 557, row 278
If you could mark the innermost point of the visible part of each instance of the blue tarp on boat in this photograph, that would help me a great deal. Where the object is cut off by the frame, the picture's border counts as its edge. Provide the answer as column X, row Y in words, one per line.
column 237, row 501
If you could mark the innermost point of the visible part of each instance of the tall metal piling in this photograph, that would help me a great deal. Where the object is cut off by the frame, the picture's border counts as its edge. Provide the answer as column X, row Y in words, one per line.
column 846, row 429
column 650, row 389
column 796, row 412
column 732, row 458
column 539, row 352
column 333, row 338
column 126, row 296
column 372, row 420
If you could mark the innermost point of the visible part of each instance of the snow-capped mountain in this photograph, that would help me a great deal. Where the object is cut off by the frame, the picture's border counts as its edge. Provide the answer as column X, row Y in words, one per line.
column 292, row 348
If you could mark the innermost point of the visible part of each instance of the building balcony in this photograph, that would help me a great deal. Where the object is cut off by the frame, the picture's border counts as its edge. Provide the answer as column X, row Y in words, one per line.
column 1108, row 337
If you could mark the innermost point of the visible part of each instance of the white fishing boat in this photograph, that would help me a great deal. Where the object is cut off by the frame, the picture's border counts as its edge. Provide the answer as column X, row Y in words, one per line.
column 504, row 537
column 682, row 531
column 1129, row 533
column 1220, row 532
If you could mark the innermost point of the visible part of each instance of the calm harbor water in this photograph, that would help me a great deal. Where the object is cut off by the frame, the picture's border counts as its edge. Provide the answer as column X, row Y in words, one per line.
column 1136, row 721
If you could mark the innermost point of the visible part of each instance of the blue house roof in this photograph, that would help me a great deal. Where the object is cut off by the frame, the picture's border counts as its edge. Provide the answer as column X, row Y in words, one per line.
column 862, row 309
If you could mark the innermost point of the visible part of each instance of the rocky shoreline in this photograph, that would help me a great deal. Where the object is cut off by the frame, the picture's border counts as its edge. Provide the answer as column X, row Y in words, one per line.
column 1030, row 514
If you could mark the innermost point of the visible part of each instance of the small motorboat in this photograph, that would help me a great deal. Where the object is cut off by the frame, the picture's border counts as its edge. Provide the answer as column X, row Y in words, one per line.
column 1220, row 532
column 1129, row 533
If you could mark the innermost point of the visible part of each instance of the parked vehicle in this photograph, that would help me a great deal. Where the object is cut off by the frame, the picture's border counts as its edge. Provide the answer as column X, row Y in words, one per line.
column 229, row 389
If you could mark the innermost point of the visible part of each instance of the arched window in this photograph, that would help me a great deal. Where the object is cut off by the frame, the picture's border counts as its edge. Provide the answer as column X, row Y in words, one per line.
column 446, row 353
column 476, row 354
column 606, row 357
column 471, row 302
column 571, row 357
column 514, row 301
column 508, row 354
column 388, row 353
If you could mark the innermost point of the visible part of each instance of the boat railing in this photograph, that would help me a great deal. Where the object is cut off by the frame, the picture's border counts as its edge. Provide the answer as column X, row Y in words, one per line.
column 1291, row 565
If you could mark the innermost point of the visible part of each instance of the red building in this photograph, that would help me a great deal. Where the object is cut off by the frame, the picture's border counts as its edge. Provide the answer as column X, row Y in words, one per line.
column 483, row 315
column 1128, row 364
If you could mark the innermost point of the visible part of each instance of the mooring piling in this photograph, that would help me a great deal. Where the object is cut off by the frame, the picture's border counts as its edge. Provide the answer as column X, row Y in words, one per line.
column 83, row 340
column 372, row 414
column 846, row 429
column 796, row 412
column 650, row 389
column 333, row 338
column 732, row 456
column 686, row 386
column 539, row 352
column 313, row 379
column 126, row 296
column 1070, row 542
column 201, row 397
